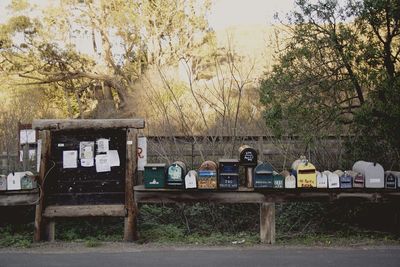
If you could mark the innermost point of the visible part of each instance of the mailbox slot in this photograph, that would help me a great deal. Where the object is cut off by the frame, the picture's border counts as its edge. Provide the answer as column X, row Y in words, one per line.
column 154, row 175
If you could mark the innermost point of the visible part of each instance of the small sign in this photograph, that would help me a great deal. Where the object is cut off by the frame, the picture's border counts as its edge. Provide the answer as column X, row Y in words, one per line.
column 70, row 159
column 102, row 163
column 27, row 136
column 142, row 153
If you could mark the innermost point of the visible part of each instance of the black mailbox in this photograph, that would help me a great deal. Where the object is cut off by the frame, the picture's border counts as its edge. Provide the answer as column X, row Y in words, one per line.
column 390, row 180
column 248, row 156
column 248, row 159
column 176, row 174
column 228, row 177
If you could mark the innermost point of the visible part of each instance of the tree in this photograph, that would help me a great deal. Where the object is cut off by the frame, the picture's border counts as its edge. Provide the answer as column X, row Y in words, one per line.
column 337, row 72
column 125, row 38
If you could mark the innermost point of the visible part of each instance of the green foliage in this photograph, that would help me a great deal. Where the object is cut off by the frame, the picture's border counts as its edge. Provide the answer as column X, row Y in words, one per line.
column 338, row 74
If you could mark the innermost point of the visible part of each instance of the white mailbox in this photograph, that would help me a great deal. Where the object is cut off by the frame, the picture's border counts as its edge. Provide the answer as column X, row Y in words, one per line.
column 322, row 180
column 191, row 179
column 373, row 173
column 290, row 180
column 333, row 179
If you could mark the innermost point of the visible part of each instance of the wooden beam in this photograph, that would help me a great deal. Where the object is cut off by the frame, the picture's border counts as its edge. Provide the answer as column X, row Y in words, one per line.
column 84, row 211
column 88, row 124
column 49, row 230
column 130, row 232
column 45, row 156
column 267, row 223
column 19, row 198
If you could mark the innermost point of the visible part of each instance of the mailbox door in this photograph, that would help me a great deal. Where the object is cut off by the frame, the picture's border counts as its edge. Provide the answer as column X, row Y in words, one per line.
column 248, row 156
column 175, row 175
column 154, row 176
column 191, row 180
column 207, row 179
column 290, row 181
column 263, row 179
column 322, row 180
column 278, row 181
column 306, row 175
column 14, row 181
column 27, row 182
column 333, row 180
column 390, row 180
column 228, row 181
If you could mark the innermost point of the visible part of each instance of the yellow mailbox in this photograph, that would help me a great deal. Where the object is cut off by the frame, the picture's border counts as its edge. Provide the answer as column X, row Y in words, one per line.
column 306, row 175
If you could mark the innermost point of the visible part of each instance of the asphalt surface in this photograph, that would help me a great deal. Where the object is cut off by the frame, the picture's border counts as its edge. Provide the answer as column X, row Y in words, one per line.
column 365, row 257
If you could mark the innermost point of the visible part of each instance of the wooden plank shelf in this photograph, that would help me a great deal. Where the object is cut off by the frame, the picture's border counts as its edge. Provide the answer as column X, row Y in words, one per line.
column 84, row 211
column 251, row 195
column 19, row 197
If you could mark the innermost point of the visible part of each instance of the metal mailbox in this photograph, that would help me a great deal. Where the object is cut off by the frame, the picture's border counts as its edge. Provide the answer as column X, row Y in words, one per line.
column 228, row 177
column 390, row 180
column 263, row 176
column 373, row 173
column 322, row 180
column 3, row 183
column 306, row 175
column 248, row 159
column 14, row 180
column 290, row 180
column 154, row 175
column 278, row 180
column 333, row 179
column 346, row 180
column 358, row 179
column 248, row 156
column 176, row 174
column 191, row 180
column 28, row 182
column 207, row 175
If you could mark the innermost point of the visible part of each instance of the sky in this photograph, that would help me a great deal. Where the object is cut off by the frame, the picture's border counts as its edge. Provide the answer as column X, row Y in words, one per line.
column 224, row 13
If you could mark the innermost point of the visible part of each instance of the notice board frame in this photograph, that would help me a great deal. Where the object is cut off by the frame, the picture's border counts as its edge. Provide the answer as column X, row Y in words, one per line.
column 45, row 215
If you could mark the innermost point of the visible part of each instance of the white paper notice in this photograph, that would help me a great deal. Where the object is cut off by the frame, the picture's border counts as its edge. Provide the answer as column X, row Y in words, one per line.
column 27, row 136
column 70, row 159
column 102, row 163
column 39, row 154
column 142, row 153
column 113, row 158
column 86, row 153
column 87, row 162
column 102, row 145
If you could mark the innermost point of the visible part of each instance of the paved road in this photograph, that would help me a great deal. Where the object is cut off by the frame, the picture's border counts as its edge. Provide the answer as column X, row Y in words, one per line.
column 211, row 257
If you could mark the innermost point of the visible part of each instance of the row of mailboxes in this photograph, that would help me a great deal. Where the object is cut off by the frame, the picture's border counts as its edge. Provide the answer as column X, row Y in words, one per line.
column 210, row 175
column 17, row 181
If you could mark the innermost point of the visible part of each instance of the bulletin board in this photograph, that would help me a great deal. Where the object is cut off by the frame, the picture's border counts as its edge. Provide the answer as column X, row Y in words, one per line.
column 86, row 167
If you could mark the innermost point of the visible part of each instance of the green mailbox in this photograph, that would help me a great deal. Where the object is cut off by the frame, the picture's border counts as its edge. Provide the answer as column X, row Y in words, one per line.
column 154, row 175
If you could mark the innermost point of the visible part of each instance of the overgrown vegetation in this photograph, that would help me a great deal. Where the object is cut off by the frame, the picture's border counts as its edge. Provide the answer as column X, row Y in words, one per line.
column 335, row 224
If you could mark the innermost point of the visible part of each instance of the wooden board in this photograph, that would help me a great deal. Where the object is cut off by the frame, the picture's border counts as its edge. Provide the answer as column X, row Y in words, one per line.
column 19, row 198
column 73, row 186
column 84, row 211
column 249, row 195
column 87, row 124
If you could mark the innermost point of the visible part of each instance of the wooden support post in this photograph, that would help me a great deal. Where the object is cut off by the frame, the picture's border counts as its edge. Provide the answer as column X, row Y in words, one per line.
column 46, row 148
column 267, row 223
column 49, row 230
column 130, row 231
